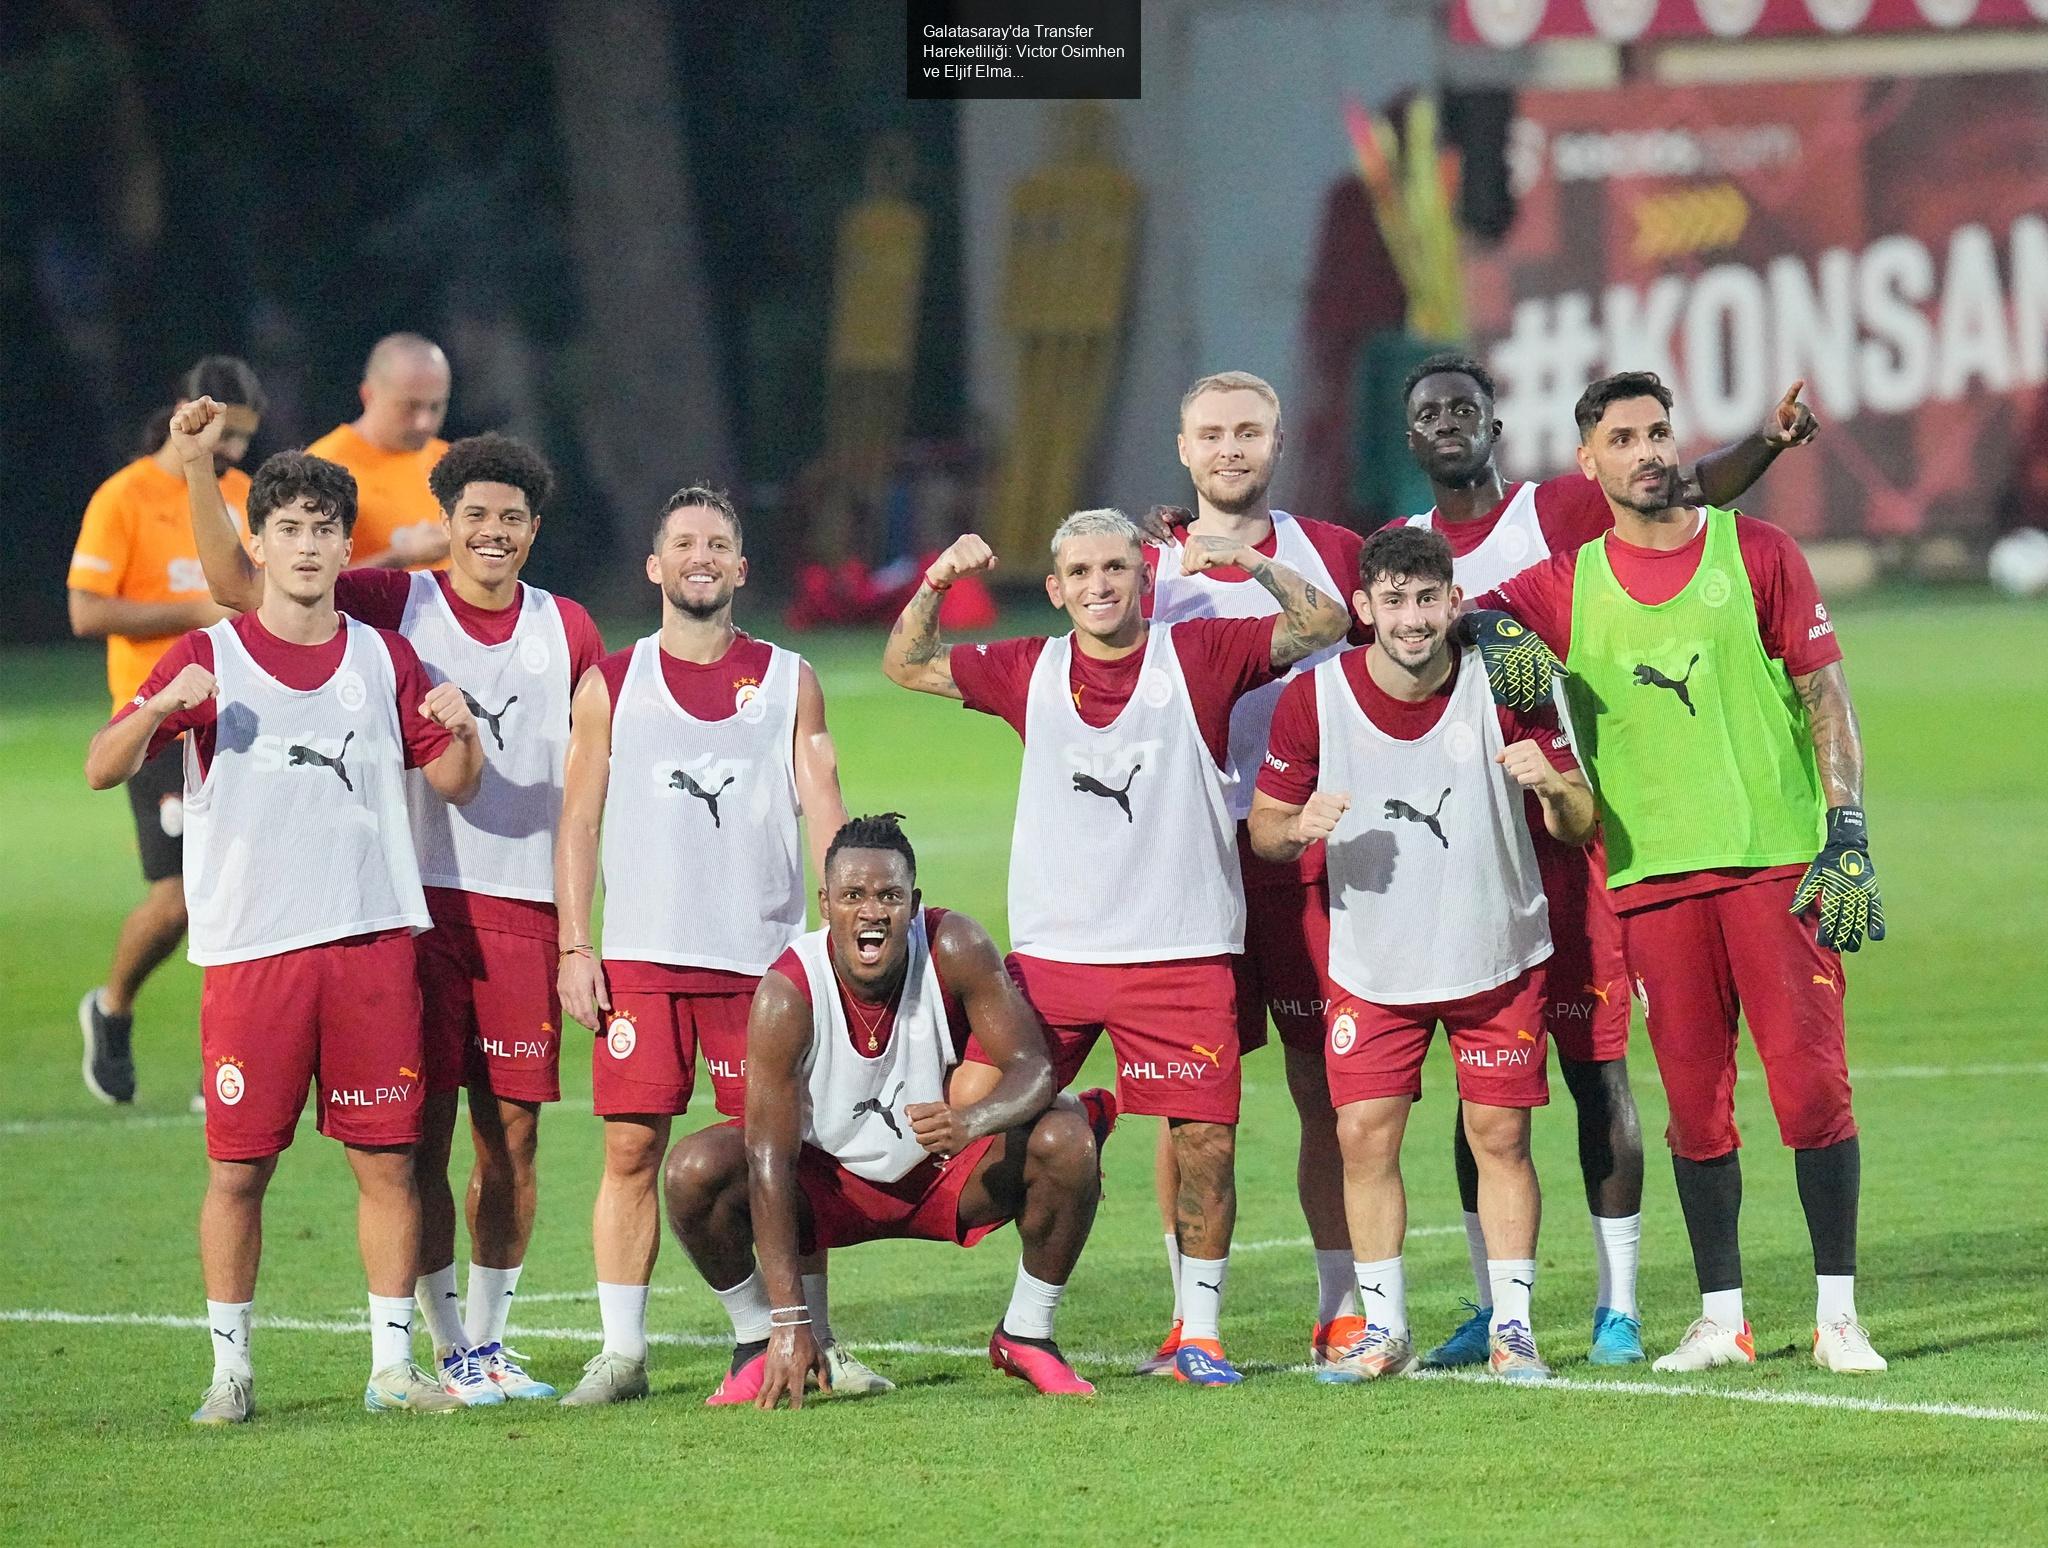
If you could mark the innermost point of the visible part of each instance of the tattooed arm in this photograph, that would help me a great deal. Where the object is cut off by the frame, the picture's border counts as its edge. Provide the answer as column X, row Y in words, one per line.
column 1308, row 621
column 915, row 656
column 1837, row 740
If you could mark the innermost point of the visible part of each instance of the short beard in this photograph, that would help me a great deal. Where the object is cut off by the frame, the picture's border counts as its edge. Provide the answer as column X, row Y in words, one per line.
column 1649, row 504
column 1238, row 504
column 703, row 612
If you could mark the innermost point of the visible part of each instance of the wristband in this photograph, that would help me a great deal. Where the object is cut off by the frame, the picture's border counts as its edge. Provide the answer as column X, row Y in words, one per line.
column 574, row 951
column 937, row 585
column 1847, row 829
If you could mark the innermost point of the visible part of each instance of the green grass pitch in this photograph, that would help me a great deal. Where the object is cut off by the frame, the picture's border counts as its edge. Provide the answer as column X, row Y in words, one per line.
column 103, row 1355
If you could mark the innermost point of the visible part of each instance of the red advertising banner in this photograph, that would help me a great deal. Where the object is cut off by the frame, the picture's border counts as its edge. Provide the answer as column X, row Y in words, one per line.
column 1885, row 240
column 1511, row 23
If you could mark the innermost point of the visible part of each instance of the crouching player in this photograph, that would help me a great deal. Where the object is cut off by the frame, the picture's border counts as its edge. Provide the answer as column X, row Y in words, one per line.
column 1396, row 755
column 848, row 1137
column 303, row 893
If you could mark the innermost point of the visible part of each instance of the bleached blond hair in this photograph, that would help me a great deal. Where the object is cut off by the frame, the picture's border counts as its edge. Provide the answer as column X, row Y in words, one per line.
column 1230, row 381
column 1095, row 523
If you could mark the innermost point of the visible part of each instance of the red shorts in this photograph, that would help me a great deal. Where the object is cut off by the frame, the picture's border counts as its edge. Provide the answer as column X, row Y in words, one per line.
column 344, row 1014
column 490, row 1015
column 923, row 1204
column 1286, row 947
column 1173, row 1026
column 645, row 1060
column 1497, row 1038
column 1700, row 962
column 1588, row 1011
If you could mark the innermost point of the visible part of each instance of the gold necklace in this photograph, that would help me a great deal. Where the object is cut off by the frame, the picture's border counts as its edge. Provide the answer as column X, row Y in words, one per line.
column 872, row 1028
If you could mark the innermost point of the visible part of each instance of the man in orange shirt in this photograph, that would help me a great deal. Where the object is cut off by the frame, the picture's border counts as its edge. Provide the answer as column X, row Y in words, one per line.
column 391, row 447
column 135, row 582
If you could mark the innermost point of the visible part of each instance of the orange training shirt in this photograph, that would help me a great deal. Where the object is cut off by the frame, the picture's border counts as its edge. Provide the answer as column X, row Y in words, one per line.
column 391, row 489
column 136, row 544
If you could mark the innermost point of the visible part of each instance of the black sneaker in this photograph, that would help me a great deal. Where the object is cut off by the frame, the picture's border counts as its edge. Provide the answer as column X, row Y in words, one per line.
column 109, row 1066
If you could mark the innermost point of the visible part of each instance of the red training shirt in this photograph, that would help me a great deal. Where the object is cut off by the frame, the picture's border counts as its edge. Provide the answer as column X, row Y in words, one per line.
column 1571, row 511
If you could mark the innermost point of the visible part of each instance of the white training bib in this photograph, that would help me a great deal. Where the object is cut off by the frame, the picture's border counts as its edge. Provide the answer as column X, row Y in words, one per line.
column 1515, row 543
column 296, row 834
column 503, row 842
column 1176, row 596
column 702, row 866
column 1124, row 849
column 1434, row 891
column 853, row 1105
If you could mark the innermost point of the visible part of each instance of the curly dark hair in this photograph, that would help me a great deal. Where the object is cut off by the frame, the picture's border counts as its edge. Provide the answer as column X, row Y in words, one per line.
column 1595, row 400
column 1402, row 552
column 1448, row 362
column 691, row 495
column 295, row 475
column 492, row 459
column 884, row 830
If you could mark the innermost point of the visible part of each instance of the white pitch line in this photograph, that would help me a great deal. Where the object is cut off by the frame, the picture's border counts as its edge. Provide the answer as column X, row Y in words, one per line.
column 1759, row 1395
column 1086, row 1357
column 105, row 1125
column 1946, row 1071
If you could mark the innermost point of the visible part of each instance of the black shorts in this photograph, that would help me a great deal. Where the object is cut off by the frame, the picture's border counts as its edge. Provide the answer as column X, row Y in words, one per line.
column 157, row 796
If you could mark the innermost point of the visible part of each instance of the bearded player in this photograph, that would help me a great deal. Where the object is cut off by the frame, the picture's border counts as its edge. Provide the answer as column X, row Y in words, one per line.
column 1712, row 712
column 491, row 1017
column 1497, row 531
column 849, row 1136
column 1230, row 442
column 695, row 752
column 1396, row 755
column 1126, row 905
column 304, row 895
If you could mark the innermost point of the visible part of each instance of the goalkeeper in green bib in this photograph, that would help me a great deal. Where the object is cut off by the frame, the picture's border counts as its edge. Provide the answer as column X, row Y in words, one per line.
column 1707, row 696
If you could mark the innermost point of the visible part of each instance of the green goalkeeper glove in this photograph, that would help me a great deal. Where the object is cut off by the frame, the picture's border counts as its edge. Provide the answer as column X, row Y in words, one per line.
column 1520, row 668
column 1845, row 882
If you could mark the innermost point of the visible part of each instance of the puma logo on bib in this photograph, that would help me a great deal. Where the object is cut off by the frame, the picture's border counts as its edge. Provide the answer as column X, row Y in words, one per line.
column 1650, row 677
column 488, row 718
column 880, row 1108
column 300, row 754
column 1407, row 813
column 682, row 781
column 1088, row 784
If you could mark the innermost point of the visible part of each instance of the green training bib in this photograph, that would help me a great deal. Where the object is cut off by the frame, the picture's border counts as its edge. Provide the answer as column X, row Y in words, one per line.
column 1692, row 736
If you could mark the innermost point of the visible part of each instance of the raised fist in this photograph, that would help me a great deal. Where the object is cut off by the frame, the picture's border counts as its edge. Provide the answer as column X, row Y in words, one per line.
column 196, row 428
column 966, row 554
column 193, row 685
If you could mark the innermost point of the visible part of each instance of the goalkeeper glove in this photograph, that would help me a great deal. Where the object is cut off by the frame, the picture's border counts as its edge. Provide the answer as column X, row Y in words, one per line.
column 1845, row 882
column 1520, row 668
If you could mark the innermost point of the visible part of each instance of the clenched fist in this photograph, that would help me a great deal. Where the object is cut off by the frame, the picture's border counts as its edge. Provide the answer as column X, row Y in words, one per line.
column 445, row 706
column 196, row 429
column 966, row 554
column 1202, row 552
column 1318, row 819
column 192, row 686
column 1528, row 765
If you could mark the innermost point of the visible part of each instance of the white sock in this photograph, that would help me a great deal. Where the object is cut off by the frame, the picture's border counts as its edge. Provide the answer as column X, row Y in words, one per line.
column 747, row 1304
column 1201, row 1295
column 442, row 1309
column 1335, row 1288
column 229, row 1323
column 1033, row 1305
column 1475, row 1248
column 1616, row 1242
column 818, row 1296
column 623, row 1310
column 1513, row 1281
column 1173, row 1270
column 1723, row 1307
column 1383, row 1294
column 390, row 1331
column 1836, row 1299
column 490, row 1302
